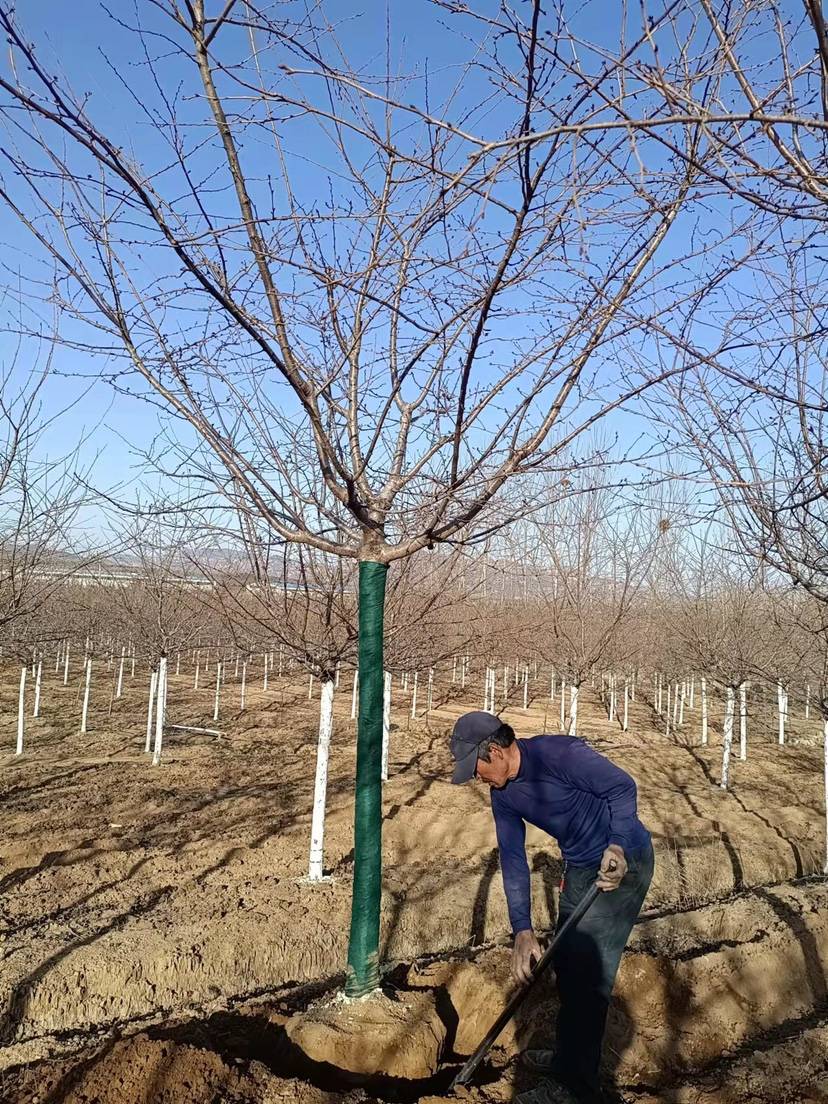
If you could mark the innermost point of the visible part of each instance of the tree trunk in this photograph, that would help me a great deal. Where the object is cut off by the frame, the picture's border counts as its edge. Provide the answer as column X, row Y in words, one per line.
column 363, row 947
column 743, row 721
column 704, row 711
column 243, row 687
column 563, row 703
column 153, row 685
column 218, row 691
column 355, row 695
column 160, row 709
column 66, row 664
column 38, row 679
column 780, row 705
column 728, row 735
column 320, row 786
column 625, row 721
column 386, row 724
column 21, row 710
column 573, row 710
column 85, row 710
column 414, row 695
column 120, row 686
column 825, row 760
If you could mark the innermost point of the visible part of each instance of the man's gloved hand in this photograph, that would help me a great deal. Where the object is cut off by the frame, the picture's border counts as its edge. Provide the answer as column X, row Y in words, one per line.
column 525, row 949
column 613, row 868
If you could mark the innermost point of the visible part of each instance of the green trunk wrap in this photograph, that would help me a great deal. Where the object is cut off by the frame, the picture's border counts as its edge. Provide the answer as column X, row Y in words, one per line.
column 363, row 949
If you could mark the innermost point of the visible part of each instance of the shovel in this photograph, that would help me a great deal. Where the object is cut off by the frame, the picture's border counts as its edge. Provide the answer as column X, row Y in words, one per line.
column 466, row 1073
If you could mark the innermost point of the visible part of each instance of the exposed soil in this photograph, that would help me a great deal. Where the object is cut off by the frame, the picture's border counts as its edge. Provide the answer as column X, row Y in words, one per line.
column 157, row 935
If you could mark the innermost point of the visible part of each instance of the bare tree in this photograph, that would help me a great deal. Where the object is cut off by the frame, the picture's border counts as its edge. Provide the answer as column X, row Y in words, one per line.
column 590, row 557
column 368, row 352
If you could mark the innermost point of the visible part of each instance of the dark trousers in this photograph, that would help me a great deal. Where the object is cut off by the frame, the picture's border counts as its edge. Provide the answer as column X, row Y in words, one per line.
column 586, row 963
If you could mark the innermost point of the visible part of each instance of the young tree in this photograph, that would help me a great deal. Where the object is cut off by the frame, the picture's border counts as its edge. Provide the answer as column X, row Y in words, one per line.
column 590, row 557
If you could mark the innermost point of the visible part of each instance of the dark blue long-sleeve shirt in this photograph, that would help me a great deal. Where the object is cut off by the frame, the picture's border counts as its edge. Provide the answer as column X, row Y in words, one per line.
column 573, row 793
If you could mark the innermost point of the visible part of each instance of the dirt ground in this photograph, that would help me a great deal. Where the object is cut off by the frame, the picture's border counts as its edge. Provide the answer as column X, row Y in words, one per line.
column 157, row 935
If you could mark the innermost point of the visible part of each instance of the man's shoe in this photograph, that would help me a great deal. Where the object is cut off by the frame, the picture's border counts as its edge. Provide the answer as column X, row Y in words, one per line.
column 546, row 1091
column 539, row 1061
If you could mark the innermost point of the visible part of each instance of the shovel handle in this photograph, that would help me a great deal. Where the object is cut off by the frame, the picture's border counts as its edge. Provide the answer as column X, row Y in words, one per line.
column 518, row 998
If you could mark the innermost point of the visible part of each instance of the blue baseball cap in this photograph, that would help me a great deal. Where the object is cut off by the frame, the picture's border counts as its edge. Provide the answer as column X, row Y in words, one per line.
column 470, row 731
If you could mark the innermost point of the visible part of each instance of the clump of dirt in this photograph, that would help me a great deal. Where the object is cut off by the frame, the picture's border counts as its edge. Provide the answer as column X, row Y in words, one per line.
column 399, row 1035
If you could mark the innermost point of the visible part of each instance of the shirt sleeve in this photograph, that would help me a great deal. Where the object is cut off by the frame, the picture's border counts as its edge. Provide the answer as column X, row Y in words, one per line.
column 511, row 844
column 590, row 771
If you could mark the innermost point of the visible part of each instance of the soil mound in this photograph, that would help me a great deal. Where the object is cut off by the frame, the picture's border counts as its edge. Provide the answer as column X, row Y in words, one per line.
column 399, row 1036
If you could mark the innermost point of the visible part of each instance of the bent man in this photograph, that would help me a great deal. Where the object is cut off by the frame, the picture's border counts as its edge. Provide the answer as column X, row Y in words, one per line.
column 584, row 801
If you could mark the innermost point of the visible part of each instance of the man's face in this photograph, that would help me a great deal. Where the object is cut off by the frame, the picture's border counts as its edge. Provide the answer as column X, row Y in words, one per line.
column 496, row 772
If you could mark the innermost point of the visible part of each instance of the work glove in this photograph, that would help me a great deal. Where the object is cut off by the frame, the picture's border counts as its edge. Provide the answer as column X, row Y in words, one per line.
column 525, row 950
column 613, row 868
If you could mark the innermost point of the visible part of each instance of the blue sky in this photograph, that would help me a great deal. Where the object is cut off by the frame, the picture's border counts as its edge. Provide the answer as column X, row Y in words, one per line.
column 104, row 62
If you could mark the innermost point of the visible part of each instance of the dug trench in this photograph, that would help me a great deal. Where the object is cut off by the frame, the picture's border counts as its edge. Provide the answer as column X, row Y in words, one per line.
column 723, row 1003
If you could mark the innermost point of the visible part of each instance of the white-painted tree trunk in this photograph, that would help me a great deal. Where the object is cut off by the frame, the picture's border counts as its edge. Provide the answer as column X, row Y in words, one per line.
column 454, row 669
column 525, row 687
column 132, row 675
column 414, row 694
column 659, row 689
column 743, row 721
column 38, row 680
column 21, row 710
column 703, row 688
column 336, row 678
column 320, row 786
column 780, row 706
column 265, row 672
column 573, row 710
column 430, row 695
column 386, row 724
column 178, row 663
column 675, row 704
column 825, row 789
column 160, row 710
column 236, row 672
column 354, row 696
column 57, row 657
column 807, row 700
column 463, row 668
column 613, row 701
column 86, row 689
column 218, row 690
column 552, row 687
column 153, row 686
column 197, row 671
column 667, row 712
column 120, row 686
column 243, row 693
column 626, row 720
column 682, row 696
column 692, row 695
column 730, row 700
column 66, row 664
column 563, row 704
